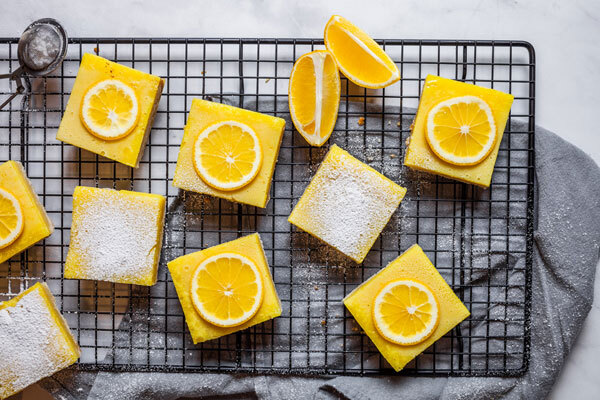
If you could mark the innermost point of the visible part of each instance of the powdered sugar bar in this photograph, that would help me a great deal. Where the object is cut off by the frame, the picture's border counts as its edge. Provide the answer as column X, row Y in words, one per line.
column 347, row 204
column 116, row 236
column 35, row 341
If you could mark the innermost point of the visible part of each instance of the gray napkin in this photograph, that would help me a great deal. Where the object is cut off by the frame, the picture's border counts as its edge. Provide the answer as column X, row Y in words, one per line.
column 567, row 244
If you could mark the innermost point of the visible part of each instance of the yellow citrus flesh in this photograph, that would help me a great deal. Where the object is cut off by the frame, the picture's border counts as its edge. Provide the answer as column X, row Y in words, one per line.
column 314, row 96
column 227, row 289
column 11, row 218
column 405, row 312
column 227, row 155
column 110, row 109
column 358, row 56
column 461, row 130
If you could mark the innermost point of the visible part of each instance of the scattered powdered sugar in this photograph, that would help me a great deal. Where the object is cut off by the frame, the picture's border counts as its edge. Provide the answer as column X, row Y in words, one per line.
column 31, row 344
column 115, row 237
column 348, row 205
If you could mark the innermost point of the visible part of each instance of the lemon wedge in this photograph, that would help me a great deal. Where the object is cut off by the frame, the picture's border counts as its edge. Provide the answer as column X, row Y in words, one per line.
column 358, row 56
column 314, row 96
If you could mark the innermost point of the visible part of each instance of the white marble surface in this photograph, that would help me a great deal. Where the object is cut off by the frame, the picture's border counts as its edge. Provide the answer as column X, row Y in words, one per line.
column 566, row 36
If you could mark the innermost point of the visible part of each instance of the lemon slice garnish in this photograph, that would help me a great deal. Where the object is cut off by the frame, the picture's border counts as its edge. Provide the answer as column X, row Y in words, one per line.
column 227, row 155
column 461, row 130
column 405, row 312
column 110, row 110
column 11, row 218
column 227, row 289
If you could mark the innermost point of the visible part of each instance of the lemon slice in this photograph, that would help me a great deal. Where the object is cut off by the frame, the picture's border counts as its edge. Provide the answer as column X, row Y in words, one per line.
column 461, row 130
column 109, row 109
column 358, row 56
column 314, row 96
column 405, row 312
column 227, row 155
column 11, row 218
column 227, row 289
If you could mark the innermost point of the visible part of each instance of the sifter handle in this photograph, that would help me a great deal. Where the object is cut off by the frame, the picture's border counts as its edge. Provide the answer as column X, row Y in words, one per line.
column 15, row 76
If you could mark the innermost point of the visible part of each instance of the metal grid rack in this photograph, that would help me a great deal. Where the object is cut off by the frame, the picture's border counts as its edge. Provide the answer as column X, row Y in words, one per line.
column 480, row 240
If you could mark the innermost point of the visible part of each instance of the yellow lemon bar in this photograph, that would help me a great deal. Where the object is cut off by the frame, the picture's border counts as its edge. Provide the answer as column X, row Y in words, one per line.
column 413, row 264
column 182, row 269
column 36, row 224
column 148, row 89
column 269, row 130
column 347, row 204
column 35, row 340
column 420, row 156
column 116, row 236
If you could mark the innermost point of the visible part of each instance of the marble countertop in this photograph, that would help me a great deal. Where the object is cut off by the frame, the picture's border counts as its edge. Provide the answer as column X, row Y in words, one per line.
column 565, row 36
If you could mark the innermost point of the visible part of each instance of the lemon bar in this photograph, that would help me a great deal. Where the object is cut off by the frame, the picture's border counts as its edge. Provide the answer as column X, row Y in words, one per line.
column 420, row 155
column 183, row 268
column 116, row 236
column 35, row 340
column 36, row 224
column 148, row 88
column 347, row 204
column 413, row 264
column 269, row 131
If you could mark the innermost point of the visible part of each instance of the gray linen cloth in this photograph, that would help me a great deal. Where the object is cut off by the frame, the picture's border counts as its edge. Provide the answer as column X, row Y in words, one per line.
column 566, row 252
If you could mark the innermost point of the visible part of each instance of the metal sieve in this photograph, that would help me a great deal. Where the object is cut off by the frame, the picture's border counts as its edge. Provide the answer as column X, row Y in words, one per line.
column 41, row 49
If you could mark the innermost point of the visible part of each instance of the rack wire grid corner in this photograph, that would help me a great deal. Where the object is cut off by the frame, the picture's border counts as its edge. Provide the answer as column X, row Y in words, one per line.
column 479, row 240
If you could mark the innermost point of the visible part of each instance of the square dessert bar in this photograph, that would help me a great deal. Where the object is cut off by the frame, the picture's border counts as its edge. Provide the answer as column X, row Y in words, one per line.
column 419, row 155
column 269, row 130
column 35, row 340
column 347, row 204
column 148, row 88
column 412, row 264
column 182, row 269
column 116, row 236
column 36, row 223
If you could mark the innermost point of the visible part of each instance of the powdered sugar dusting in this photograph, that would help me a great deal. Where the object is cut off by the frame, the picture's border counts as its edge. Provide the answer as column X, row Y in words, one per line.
column 347, row 204
column 31, row 344
column 114, row 238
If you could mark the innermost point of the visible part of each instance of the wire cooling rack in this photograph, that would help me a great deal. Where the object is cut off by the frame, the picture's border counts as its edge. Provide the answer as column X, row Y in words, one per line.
column 480, row 240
